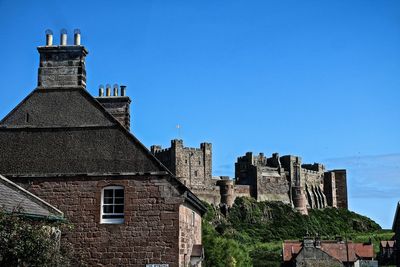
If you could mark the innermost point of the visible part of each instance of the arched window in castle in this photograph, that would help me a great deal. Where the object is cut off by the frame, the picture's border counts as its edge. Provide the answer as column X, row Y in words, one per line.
column 112, row 205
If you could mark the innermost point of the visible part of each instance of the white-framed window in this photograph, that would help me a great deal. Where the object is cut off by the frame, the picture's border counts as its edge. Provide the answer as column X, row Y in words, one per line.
column 112, row 204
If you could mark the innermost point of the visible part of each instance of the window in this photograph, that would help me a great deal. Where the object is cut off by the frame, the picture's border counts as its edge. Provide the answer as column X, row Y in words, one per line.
column 195, row 173
column 112, row 204
column 193, row 218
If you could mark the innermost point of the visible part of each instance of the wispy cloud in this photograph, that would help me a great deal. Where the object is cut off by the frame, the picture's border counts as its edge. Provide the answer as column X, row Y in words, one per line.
column 371, row 175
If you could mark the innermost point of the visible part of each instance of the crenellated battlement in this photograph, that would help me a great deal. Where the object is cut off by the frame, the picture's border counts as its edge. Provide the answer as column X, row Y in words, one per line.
column 274, row 178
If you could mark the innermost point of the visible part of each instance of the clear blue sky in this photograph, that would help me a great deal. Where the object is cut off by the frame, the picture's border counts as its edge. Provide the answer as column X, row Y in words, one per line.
column 319, row 79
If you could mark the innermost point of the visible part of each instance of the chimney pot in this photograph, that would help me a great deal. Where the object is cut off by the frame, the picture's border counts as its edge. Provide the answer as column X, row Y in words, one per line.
column 77, row 37
column 115, row 89
column 101, row 90
column 108, row 90
column 49, row 38
column 63, row 39
column 123, row 90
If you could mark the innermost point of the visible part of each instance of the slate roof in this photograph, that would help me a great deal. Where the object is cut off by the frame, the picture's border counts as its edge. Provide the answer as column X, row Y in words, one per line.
column 338, row 250
column 66, row 131
column 14, row 198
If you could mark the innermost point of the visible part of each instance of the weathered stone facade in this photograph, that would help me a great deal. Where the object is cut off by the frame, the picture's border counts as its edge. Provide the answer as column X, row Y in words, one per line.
column 153, row 231
column 285, row 179
column 65, row 146
column 192, row 166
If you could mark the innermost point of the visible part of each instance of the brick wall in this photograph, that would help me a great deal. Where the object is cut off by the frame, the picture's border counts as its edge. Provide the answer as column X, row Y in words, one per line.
column 150, row 233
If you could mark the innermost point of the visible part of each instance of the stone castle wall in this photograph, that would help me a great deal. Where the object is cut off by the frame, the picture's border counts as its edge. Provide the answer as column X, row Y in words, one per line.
column 193, row 166
column 275, row 178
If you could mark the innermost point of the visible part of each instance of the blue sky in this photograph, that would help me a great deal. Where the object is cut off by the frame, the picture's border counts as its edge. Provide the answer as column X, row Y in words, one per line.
column 319, row 79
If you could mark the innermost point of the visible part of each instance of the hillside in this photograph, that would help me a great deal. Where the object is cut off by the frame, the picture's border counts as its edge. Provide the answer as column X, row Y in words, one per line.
column 252, row 233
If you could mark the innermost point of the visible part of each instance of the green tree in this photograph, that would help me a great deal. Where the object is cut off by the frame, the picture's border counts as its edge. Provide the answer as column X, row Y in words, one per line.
column 27, row 242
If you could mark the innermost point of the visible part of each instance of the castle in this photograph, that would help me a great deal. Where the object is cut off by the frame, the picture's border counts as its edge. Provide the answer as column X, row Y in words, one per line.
column 286, row 179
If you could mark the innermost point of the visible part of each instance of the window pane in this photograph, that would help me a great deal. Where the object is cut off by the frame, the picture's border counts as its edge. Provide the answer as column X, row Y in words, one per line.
column 119, row 200
column 108, row 200
column 107, row 209
column 119, row 209
column 119, row 192
column 108, row 192
column 109, row 216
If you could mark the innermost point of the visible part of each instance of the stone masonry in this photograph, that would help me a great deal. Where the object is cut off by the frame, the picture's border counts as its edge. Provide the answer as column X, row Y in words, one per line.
column 192, row 166
column 285, row 179
column 76, row 152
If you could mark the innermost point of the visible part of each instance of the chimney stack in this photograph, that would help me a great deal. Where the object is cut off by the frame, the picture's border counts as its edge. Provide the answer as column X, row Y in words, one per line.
column 62, row 66
column 118, row 106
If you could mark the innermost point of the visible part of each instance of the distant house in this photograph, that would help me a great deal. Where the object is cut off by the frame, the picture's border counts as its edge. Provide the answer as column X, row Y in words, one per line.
column 315, row 252
column 387, row 255
column 15, row 199
column 76, row 151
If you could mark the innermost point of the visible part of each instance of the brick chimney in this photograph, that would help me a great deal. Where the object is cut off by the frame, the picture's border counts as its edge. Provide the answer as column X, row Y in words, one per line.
column 62, row 66
column 117, row 105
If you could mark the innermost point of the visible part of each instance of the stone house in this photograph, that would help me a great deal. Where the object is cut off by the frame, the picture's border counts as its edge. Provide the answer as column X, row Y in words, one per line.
column 76, row 152
column 316, row 252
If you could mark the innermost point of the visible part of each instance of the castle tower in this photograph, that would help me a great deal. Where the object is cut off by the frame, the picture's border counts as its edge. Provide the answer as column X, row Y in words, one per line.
column 341, row 188
column 227, row 191
column 193, row 166
column 62, row 66
column 330, row 188
column 298, row 195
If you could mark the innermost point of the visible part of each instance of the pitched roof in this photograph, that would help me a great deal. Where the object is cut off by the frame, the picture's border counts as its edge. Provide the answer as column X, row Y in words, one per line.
column 343, row 252
column 61, row 131
column 68, row 131
column 290, row 249
column 14, row 198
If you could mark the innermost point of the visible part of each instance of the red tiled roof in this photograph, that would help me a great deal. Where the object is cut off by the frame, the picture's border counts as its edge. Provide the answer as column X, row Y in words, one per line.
column 348, row 253
column 290, row 249
column 339, row 250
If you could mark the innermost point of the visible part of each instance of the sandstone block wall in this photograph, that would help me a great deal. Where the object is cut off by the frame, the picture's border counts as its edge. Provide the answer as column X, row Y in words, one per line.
column 189, row 233
column 62, row 66
column 150, row 233
column 341, row 188
column 271, row 185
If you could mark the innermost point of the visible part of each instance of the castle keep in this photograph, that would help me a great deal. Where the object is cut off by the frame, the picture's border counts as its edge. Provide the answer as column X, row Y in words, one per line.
column 285, row 179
